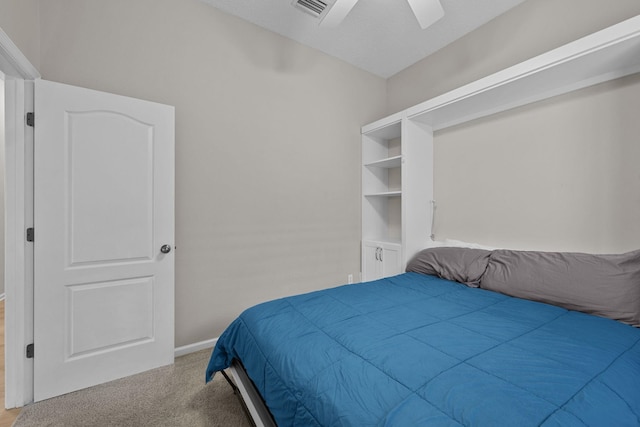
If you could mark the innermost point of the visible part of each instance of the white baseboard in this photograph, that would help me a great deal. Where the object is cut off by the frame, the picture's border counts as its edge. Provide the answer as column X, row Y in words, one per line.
column 192, row 348
column 1, row 296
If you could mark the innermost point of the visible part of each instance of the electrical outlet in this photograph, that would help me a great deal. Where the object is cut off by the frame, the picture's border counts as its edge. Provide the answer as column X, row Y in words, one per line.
column 350, row 279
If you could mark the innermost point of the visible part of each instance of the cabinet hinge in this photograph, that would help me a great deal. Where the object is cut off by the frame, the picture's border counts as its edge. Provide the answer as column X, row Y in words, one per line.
column 31, row 119
column 30, row 234
column 30, row 351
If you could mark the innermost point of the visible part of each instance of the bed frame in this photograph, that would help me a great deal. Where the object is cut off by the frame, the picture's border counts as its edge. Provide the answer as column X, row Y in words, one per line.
column 252, row 403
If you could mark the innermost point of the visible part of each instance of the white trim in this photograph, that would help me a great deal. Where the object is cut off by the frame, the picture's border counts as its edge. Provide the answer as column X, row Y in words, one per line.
column 605, row 55
column 18, row 72
column 1, row 296
column 18, row 261
column 192, row 348
column 13, row 62
column 14, row 253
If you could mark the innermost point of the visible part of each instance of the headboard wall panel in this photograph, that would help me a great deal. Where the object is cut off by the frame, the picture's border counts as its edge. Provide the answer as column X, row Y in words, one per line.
column 560, row 174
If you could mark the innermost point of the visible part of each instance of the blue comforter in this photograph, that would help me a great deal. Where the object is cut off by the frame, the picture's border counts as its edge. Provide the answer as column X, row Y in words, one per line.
column 416, row 350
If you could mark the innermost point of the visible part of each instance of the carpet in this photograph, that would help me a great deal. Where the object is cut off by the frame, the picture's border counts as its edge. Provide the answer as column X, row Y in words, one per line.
column 173, row 396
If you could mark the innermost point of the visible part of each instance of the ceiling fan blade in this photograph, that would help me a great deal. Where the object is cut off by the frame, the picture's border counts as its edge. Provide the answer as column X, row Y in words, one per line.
column 427, row 11
column 337, row 13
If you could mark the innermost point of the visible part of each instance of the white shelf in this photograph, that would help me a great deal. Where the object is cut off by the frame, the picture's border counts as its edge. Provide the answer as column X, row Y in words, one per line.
column 385, row 128
column 385, row 194
column 388, row 163
column 605, row 55
column 383, row 240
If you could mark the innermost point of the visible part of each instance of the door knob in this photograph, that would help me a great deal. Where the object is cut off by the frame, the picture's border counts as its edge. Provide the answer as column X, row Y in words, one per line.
column 165, row 249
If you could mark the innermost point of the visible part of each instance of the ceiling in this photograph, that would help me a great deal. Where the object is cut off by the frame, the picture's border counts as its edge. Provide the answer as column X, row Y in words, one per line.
column 379, row 36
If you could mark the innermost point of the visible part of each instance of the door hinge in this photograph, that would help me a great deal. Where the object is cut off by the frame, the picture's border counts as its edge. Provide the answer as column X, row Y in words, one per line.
column 30, row 234
column 31, row 119
column 30, row 351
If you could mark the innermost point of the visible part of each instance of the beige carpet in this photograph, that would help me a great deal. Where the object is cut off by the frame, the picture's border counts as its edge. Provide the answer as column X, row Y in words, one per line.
column 170, row 396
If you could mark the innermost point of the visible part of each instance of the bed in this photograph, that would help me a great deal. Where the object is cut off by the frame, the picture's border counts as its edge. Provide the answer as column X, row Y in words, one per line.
column 464, row 337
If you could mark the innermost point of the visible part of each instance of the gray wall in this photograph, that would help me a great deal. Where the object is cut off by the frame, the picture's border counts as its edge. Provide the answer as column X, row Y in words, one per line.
column 20, row 20
column 557, row 175
column 267, row 144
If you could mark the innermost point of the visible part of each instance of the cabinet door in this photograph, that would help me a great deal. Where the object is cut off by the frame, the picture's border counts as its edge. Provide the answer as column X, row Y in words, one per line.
column 380, row 259
column 371, row 266
column 390, row 259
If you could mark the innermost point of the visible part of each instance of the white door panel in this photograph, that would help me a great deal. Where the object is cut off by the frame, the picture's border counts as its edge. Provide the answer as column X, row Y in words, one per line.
column 391, row 260
column 104, row 206
column 371, row 266
column 119, row 149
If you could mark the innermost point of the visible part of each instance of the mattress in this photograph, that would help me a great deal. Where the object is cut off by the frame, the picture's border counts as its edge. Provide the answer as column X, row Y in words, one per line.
column 418, row 350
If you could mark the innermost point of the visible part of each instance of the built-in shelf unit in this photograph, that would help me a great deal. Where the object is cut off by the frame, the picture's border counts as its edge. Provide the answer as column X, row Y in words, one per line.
column 395, row 168
column 397, row 151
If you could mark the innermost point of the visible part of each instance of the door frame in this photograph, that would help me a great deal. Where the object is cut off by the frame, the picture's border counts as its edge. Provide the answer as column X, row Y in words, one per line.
column 19, row 76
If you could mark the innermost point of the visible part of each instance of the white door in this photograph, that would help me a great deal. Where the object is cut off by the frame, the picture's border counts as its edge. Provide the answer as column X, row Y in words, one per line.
column 371, row 265
column 104, row 211
column 391, row 259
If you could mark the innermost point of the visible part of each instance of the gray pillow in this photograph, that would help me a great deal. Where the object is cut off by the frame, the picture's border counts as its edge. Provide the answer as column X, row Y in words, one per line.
column 604, row 285
column 463, row 265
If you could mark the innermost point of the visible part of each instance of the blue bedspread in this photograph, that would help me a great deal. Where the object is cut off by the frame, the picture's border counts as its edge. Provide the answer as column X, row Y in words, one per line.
column 416, row 350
